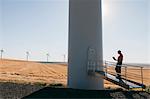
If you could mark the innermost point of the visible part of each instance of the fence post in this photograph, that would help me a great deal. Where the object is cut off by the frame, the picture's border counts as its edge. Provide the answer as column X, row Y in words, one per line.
column 125, row 73
column 106, row 68
column 142, row 77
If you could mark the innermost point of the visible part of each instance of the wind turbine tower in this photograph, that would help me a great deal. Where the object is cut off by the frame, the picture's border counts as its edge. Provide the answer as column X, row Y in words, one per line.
column 85, row 43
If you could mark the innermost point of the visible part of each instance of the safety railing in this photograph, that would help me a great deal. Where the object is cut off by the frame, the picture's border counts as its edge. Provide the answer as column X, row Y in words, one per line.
column 128, row 71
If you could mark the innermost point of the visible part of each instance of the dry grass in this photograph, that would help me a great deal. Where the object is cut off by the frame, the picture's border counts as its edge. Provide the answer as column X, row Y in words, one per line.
column 33, row 72
column 21, row 78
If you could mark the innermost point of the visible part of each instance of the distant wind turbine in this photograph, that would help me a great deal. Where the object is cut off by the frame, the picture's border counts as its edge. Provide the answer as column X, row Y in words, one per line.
column 1, row 53
column 47, row 56
column 27, row 55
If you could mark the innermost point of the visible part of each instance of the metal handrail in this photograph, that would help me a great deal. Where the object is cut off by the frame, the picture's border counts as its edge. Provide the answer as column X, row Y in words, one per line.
column 126, row 66
column 95, row 65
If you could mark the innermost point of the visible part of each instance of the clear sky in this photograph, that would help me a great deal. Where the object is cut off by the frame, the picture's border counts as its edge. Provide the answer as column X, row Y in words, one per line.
column 41, row 26
column 37, row 26
column 126, row 28
column 149, row 30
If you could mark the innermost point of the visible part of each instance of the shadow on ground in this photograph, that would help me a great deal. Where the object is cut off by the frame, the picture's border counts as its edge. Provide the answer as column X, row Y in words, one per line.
column 49, row 92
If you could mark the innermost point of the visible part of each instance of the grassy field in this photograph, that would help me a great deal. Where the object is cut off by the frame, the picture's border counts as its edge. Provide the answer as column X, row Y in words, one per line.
column 21, row 78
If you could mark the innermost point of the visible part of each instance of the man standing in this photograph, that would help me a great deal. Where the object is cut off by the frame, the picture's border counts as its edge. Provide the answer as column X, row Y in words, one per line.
column 119, row 63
